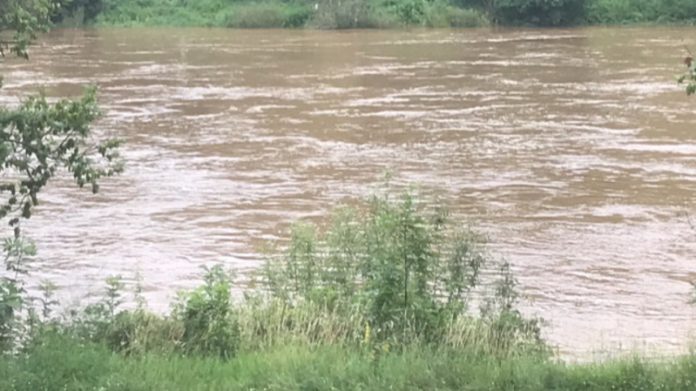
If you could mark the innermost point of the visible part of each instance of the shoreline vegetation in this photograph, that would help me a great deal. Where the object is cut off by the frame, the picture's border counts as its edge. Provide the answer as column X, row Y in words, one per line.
column 347, row 14
column 391, row 295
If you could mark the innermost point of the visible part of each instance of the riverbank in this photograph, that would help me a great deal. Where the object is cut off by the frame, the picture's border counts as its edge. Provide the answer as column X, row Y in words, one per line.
column 60, row 363
column 334, row 14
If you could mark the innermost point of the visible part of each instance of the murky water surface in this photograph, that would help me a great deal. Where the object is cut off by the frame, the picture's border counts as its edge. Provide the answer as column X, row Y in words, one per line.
column 573, row 149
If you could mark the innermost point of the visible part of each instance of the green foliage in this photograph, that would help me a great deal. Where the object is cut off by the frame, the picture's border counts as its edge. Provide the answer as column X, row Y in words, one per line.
column 87, row 10
column 164, row 12
column 343, row 14
column 96, row 320
column 324, row 14
column 640, row 11
column 59, row 362
column 47, row 300
column 23, row 20
column 11, row 302
column 209, row 324
column 440, row 14
column 407, row 274
column 202, row 322
column 370, row 13
column 18, row 252
column 689, row 77
column 268, row 14
column 36, row 140
column 537, row 12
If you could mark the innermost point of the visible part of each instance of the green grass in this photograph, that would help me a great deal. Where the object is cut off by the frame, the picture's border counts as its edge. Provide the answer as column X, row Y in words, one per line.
column 323, row 14
column 641, row 12
column 62, row 363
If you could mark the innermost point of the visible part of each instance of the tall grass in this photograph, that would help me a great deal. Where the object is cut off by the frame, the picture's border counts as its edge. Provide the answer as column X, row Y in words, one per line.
column 60, row 362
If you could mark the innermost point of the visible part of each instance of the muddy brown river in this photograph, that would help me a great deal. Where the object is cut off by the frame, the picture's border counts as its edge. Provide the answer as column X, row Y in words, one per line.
column 573, row 150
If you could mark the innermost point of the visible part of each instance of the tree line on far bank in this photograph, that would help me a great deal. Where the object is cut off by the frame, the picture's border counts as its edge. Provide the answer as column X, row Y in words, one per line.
column 374, row 13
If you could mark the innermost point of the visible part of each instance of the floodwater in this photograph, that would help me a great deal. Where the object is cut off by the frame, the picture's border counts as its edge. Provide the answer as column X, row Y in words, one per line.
column 573, row 150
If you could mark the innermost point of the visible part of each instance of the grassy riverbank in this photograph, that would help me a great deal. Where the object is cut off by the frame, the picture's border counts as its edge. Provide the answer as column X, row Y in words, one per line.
column 60, row 363
column 340, row 14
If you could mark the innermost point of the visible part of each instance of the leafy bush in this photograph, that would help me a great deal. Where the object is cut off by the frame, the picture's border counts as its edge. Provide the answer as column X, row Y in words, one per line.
column 202, row 322
column 640, row 11
column 342, row 14
column 209, row 325
column 538, row 12
column 88, row 10
column 408, row 275
column 441, row 14
column 11, row 301
column 268, row 15
column 411, row 12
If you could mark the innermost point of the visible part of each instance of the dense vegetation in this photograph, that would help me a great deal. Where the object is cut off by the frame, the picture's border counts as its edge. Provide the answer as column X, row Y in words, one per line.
column 61, row 363
column 375, row 13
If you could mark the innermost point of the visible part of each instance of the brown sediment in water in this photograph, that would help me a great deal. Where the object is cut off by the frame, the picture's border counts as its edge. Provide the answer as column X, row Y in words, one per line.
column 573, row 149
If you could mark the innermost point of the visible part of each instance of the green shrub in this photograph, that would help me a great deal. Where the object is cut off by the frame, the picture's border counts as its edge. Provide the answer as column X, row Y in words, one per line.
column 374, row 13
column 202, row 322
column 209, row 324
column 411, row 12
column 268, row 15
column 640, row 11
column 538, row 12
column 10, row 306
column 342, row 14
column 407, row 274
column 441, row 14
column 86, row 11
